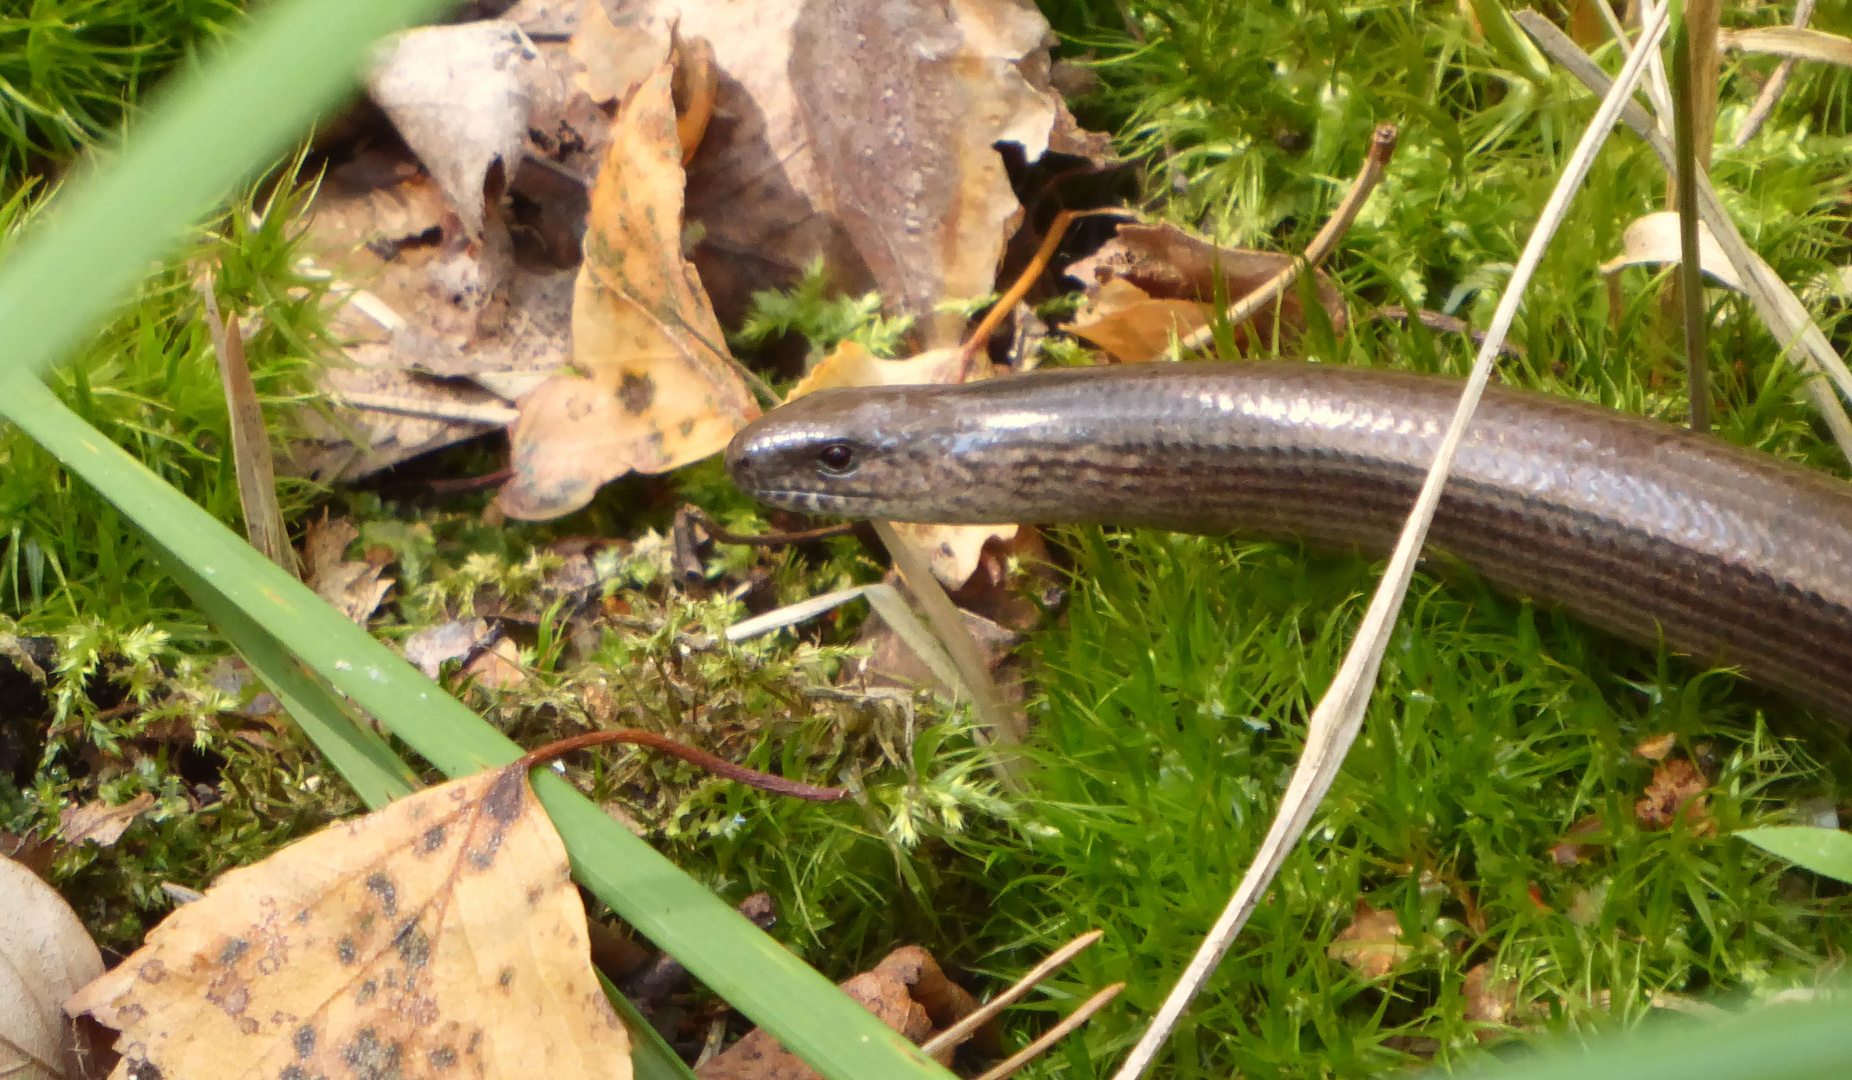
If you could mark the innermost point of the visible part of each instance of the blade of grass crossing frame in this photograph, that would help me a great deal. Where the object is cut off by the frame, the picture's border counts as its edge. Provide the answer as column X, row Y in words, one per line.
column 216, row 124
column 1685, row 88
column 650, row 1056
column 733, row 957
column 1802, row 1041
column 360, row 754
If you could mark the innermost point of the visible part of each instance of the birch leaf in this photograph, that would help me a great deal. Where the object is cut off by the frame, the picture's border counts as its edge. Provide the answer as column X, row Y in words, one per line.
column 442, row 934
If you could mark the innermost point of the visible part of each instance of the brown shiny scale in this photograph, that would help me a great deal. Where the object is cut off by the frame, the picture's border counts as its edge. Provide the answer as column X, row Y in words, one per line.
column 1634, row 525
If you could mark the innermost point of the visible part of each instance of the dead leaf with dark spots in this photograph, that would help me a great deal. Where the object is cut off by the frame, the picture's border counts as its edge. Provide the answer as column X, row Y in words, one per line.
column 906, row 990
column 1372, row 944
column 354, row 588
column 45, row 955
column 1657, row 747
column 1152, row 281
column 99, row 823
column 658, row 389
column 440, row 935
column 1569, row 850
column 1675, row 794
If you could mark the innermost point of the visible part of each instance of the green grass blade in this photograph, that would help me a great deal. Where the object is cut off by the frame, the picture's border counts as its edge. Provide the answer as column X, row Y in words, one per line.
column 220, row 123
column 736, row 959
column 650, row 1056
column 1810, row 1041
column 357, row 751
column 1827, row 852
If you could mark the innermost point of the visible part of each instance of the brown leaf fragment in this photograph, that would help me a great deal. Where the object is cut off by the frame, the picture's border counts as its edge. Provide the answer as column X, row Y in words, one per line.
column 1675, row 793
column 99, row 823
column 1488, row 1000
column 354, row 588
column 1568, row 851
column 455, row 93
column 439, row 936
column 1657, row 747
column 1134, row 326
column 864, row 133
column 1372, row 943
column 498, row 667
column 45, row 955
column 613, row 59
column 1175, row 281
column 906, row 990
column 658, row 389
column 427, row 649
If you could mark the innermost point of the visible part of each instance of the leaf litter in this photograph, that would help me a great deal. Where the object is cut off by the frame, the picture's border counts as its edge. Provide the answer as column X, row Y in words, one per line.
column 45, row 955
column 441, row 931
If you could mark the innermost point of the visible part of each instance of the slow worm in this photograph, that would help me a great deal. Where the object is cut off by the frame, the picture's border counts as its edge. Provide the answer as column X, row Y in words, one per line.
column 1636, row 526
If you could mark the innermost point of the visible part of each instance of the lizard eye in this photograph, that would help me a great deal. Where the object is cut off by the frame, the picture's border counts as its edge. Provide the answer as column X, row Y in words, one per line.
column 836, row 458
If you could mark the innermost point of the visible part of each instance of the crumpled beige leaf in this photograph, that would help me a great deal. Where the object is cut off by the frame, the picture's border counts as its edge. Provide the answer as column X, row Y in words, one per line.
column 658, row 389
column 1151, row 282
column 354, row 588
column 45, row 955
column 863, row 132
column 456, row 95
column 439, row 936
column 1653, row 240
column 99, row 823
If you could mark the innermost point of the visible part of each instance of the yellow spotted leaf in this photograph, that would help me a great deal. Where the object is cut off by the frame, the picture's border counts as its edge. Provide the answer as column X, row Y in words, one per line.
column 655, row 389
column 440, row 936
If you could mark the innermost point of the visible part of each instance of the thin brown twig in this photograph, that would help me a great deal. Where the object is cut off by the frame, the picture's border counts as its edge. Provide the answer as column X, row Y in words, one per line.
column 719, row 766
column 956, row 1034
column 1024, row 282
column 1055, row 1034
column 1382, row 148
column 1776, row 85
column 765, row 539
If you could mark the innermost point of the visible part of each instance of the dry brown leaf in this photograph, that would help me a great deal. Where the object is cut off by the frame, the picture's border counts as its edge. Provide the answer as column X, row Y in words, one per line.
column 906, row 990
column 354, row 588
column 45, row 955
column 428, row 648
column 864, row 133
column 1372, row 944
column 1488, row 1000
column 613, row 59
column 99, row 823
column 497, row 667
column 1653, row 241
column 442, row 932
column 456, row 95
column 1134, row 326
column 1675, row 793
column 1569, row 851
column 1657, row 747
column 1175, row 276
column 658, row 391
